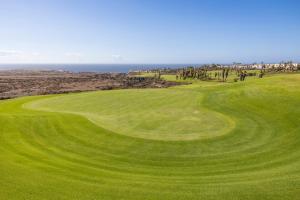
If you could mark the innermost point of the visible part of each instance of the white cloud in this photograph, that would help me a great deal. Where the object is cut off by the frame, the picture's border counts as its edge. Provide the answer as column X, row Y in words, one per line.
column 15, row 56
column 73, row 54
column 117, row 58
column 19, row 54
column 35, row 54
column 9, row 53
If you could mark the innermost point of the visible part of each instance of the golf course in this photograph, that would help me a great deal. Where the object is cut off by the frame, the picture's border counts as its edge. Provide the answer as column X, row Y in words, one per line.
column 207, row 140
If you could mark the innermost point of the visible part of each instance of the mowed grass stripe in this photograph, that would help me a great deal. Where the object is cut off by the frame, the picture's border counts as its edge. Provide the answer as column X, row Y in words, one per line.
column 257, row 158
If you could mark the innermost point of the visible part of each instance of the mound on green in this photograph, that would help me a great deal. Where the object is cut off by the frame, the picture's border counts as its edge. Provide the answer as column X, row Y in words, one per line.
column 201, row 141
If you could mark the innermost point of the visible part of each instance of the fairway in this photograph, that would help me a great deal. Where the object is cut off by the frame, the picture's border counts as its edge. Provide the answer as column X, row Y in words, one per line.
column 206, row 140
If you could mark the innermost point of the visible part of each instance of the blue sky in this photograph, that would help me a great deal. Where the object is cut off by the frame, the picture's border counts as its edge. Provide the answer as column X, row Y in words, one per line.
column 149, row 31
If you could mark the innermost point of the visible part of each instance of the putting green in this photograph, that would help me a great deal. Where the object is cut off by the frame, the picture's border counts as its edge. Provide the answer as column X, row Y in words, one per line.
column 166, row 114
column 201, row 141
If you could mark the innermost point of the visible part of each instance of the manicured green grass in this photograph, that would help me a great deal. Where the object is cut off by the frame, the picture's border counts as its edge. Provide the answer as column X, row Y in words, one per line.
column 207, row 140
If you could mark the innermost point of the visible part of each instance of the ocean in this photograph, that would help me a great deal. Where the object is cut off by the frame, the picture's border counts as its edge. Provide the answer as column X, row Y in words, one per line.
column 122, row 68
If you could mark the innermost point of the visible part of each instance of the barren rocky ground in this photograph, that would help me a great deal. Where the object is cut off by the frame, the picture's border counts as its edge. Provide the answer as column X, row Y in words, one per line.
column 17, row 83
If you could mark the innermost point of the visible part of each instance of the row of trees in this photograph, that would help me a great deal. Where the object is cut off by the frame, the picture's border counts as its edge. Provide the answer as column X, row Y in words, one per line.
column 194, row 73
column 220, row 74
column 203, row 73
column 217, row 72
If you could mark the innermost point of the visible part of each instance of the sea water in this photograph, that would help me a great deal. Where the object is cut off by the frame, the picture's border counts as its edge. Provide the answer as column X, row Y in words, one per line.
column 122, row 68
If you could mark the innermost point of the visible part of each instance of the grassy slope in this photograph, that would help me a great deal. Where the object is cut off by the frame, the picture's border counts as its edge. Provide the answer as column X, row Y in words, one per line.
column 201, row 141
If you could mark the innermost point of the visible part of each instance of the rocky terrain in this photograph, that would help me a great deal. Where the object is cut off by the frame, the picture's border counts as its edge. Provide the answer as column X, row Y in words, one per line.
column 17, row 83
